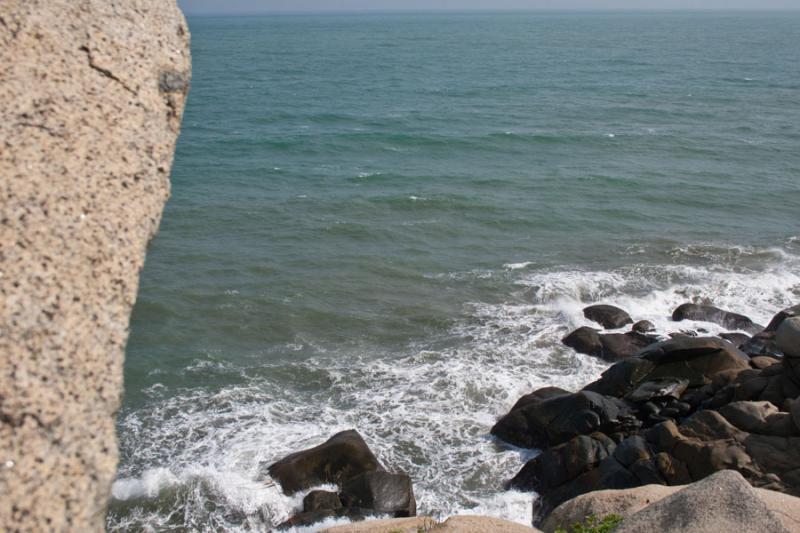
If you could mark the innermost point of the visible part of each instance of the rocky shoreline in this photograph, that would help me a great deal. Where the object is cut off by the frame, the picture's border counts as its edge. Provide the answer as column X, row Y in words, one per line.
column 673, row 410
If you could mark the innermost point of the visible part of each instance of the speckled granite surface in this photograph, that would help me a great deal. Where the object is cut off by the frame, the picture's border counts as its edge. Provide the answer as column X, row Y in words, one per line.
column 92, row 94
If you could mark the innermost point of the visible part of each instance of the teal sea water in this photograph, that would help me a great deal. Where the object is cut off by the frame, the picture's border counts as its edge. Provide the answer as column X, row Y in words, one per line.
column 387, row 222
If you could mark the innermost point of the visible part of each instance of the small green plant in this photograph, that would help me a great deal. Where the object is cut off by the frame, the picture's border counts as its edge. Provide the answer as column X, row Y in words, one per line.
column 594, row 525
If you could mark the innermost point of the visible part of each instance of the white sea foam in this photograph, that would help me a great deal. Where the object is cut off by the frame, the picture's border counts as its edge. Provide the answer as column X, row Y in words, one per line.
column 148, row 485
column 518, row 266
column 426, row 411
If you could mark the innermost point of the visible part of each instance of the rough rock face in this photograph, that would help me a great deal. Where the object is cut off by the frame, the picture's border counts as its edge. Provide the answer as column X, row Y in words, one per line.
column 677, row 412
column 342, row 457
column 421, row 524
column 625, row 503
column 608, row 316
column 366, row 488
column 607, row 346
column 721, row 502
column 709, row 313
column 92, row 96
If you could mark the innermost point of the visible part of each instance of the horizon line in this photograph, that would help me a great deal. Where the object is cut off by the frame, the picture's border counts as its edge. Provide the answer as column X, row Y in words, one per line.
column 402, row 11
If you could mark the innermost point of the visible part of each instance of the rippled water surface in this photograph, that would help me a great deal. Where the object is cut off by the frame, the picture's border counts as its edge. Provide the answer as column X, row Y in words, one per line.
column 388, row 223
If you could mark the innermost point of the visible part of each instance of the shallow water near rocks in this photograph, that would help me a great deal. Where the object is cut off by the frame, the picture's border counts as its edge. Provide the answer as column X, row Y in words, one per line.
column 388, row 222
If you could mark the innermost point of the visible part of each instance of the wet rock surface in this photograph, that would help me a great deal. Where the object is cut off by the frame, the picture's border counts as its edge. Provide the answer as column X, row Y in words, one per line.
column 608, row 316
column 343, row 456
column 365, row 487
column 676, row 412
column 709, row 313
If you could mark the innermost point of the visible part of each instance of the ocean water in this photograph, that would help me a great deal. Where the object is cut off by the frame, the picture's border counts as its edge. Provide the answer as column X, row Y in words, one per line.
column 387, row 222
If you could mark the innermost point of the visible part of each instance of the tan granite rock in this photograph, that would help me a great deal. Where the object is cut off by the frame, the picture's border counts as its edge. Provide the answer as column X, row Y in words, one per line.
column 414, row 524
column 627, row 502
column 419, row 524
column 91, row 99
column 602, row 503
column 481, row 524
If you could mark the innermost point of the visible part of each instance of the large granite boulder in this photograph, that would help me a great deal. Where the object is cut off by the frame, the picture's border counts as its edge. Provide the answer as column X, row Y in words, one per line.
column 696, row 359
column 321, row 500
column 454, row 524
column 608, row 316
column 380, row 492
column 715, row 315
column 558, row 419
column 621, row 378
column 763, row 343
column 721, row 502
column 619, row 502
column 365, row 488
column 643, row 326
column 538, row 395
column 560, row 464
column 607, row 346
column 92, row 93
column 787, row 339
column 627, row 502
column 340, row 458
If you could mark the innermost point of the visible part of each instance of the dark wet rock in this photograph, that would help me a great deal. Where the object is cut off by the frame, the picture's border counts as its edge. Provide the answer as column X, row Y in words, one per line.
column 649, row 409
column 682, row 407
column 705, row 443
column 672, row 470
column 306, row 519
column 778, row 319
column 659, row 388
column 690, row 348
column 320, row 500
column 608, row 346
column 759, row 417
column 670, row 412
column 697, row 360
column 762, row 344
column 538, row 395
column 676, row 412
column 622, row 377
column 632, row 450
column 381, row 493
column 608, row 316
column 560, row 464
column 737, row 339
column 643, row 326
column 558, row 419
column 618, row 346
column 584, row 340
column 787, row 339
column 343, row 456
column 709, row 313
column 608, row 474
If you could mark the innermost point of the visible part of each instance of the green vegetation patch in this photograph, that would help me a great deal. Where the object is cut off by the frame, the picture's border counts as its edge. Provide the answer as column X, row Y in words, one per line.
column 594, row 525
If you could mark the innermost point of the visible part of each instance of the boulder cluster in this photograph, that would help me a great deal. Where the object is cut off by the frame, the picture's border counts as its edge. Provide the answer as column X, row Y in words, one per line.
column 344, row 460
column 671, row 412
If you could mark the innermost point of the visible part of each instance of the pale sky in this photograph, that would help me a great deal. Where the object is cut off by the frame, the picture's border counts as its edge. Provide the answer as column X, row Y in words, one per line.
column 268, row 6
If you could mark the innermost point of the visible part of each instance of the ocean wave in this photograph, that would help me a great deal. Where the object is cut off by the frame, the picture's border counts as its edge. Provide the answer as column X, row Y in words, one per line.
column 198, row 458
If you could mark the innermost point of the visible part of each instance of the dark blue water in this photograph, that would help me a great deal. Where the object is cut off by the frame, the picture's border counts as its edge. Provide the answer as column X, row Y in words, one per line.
column 388, row 222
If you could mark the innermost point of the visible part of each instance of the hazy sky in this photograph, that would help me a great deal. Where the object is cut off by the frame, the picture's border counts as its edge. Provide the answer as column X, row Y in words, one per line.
column 254, row 6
